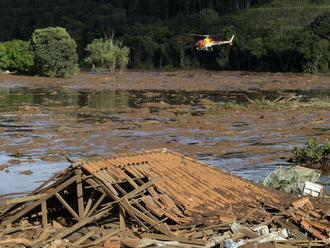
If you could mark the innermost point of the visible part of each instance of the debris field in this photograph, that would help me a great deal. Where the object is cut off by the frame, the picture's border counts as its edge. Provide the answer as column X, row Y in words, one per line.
column 160, row 198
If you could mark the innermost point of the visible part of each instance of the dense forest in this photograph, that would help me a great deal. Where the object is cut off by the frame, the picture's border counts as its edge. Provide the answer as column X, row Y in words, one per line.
column 271, row 35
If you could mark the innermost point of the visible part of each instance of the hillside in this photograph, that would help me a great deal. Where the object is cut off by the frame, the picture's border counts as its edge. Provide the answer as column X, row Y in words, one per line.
column 267, row 32
column 280, row 17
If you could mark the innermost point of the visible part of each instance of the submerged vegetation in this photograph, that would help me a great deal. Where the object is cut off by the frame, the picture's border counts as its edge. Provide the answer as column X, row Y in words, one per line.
column 313, row 155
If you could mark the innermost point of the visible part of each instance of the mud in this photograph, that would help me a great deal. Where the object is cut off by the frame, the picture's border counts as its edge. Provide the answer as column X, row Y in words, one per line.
column 175, row 80
column 89, row 114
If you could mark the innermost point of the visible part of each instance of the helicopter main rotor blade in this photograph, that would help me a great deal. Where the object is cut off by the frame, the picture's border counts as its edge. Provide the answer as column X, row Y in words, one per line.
column 201, row 35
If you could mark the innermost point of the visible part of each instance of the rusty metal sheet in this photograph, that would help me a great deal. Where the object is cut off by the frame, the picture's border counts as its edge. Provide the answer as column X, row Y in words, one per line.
column 195, row 185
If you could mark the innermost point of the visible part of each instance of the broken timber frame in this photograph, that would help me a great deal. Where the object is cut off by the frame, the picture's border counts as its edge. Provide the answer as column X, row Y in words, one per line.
column 94, row 197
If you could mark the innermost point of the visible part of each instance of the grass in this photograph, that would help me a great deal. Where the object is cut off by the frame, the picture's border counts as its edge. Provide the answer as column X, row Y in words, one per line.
column 323, row 102
column 277, row 104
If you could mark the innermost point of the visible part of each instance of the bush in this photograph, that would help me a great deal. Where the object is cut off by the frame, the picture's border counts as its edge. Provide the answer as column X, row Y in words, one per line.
column 15, row 56
column 107, row 54
column 54, row 52
column 313, row 155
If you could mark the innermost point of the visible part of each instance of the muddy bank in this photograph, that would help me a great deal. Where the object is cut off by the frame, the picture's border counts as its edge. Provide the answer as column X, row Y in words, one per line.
column 176, row 80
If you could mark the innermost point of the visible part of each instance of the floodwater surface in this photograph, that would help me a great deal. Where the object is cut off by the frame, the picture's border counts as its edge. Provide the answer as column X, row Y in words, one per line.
column 38, row 125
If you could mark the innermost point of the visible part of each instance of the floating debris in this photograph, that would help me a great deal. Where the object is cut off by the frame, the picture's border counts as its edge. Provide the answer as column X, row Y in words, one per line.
column 294, row 180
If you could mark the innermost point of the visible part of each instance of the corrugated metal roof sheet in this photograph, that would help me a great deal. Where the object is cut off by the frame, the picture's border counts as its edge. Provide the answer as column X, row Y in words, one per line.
column 197, row 186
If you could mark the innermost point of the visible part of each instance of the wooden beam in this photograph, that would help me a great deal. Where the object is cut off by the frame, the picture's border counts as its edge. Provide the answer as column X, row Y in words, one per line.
column 20, row 228
column 44, row 213
column 80, row 224
column 67, row 206
column 145, row 211
column 25, row 199
column 122, row 218
column 102, row 239
column 128, row 208
column 120, row 188
column 80, row 194
column 89, row 203
column 173, row 238
column 139, row 189
column 137, row 214
column 15, row 210
column 37, row 203
column 100, row 200
column 84, row 238
column 130, row 180
column 49, row 180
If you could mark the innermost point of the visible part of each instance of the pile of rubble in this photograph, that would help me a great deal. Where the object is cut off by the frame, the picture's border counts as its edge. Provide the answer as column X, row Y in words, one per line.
column 159, row 198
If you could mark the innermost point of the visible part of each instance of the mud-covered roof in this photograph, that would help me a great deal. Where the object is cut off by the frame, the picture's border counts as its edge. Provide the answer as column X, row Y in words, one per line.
column 199, row 187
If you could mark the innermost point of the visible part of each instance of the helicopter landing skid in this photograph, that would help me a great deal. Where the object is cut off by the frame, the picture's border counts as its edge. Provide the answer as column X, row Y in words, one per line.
column 207, row 49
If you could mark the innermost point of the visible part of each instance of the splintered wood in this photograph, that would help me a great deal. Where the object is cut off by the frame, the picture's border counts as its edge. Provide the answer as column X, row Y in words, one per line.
column 120, row 203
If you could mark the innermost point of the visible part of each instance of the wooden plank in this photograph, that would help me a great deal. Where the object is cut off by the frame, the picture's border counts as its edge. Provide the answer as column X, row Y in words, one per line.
column 37, row 203
column 49, row 180
column 44, row 213
column 105, row 182
column 131, row 171
column 153, row 207
column 99, row 201
column 130, row 180
column 102, row 239
column 160, row 227
column 173, row 238
column 83, row 238
column 80, row 194
column 140, row 188
column 89, row 203
column 25, row 199
column 120, row 188
column 153, row 192
column 79, row 225
column 67, row 206
column 20, row 228
column 145, row 211
column 127, row 207
column 122, row 218
column 23, row 241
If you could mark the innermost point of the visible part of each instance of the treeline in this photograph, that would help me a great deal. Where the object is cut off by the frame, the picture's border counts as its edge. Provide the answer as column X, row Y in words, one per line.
column 154, row 31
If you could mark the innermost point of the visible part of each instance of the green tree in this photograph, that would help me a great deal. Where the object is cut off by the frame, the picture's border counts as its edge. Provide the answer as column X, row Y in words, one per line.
column 280, row 54
column 54, row 52
column 107, row 54
column 15, row 56
column 3, row 57
column 321, row 26
column 318, row 2
column 313, row 51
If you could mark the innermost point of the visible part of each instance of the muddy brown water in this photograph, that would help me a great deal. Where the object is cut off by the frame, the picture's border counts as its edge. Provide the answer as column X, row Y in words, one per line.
column 39, row 121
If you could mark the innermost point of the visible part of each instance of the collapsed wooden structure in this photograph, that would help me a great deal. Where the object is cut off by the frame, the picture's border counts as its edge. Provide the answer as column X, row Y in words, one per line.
column 154, row 196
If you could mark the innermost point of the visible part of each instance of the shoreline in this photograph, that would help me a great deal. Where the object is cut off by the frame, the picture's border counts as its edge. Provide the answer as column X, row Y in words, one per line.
column 192, row 80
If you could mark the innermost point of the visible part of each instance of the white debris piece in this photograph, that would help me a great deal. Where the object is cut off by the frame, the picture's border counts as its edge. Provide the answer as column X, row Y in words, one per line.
column 313, row 189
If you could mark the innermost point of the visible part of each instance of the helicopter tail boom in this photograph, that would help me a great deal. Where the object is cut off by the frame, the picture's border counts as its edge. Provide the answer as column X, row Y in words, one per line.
column 230, row 42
